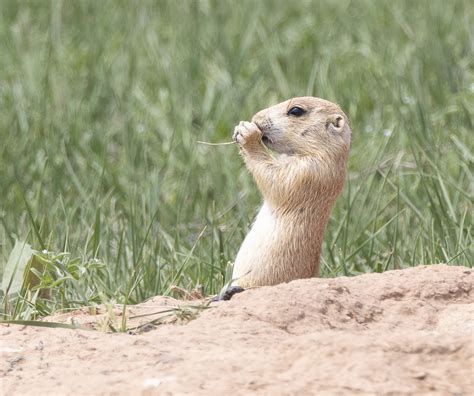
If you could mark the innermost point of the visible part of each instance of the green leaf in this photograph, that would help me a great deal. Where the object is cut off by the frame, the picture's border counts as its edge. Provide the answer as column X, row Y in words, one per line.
column 13, row 274
column 37, row 323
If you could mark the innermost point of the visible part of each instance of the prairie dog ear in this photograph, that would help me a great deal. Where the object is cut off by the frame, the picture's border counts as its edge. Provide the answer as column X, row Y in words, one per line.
column 335, row 123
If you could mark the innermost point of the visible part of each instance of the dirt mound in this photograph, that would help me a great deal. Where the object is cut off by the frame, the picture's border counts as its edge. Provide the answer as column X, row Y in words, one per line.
column 407, row 331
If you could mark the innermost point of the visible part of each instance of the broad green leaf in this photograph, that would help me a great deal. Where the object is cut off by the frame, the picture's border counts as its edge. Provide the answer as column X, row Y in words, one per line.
column 13, row 273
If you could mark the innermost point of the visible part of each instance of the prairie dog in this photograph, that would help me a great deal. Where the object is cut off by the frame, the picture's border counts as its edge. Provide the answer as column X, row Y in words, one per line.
column 300, row 179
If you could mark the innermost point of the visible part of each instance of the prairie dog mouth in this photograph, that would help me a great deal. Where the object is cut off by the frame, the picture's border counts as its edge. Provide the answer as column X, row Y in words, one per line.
column 266, row 134
column 266, row 139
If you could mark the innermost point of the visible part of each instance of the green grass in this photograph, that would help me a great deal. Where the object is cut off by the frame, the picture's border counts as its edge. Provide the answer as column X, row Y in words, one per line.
column 102, row 103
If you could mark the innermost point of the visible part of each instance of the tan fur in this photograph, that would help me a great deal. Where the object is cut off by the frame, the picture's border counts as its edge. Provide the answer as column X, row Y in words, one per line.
column 299, row 179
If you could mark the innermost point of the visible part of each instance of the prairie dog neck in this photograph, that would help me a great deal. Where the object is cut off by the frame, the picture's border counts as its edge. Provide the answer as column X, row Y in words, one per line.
column 299, row 187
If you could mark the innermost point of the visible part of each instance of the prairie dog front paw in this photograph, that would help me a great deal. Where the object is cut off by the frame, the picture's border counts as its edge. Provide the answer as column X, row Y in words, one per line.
column 247, row 133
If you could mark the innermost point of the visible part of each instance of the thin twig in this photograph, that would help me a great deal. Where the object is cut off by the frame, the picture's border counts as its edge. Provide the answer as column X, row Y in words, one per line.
column 215, row 144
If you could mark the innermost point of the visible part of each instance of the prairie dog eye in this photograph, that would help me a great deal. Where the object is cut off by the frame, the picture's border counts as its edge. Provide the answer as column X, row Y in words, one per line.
column 296, row 111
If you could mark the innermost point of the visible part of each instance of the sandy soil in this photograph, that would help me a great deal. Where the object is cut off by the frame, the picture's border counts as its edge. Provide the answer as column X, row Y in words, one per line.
column 407, row 331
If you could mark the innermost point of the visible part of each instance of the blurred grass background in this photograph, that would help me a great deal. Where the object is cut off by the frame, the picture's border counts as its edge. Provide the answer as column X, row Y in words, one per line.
column 102, row 104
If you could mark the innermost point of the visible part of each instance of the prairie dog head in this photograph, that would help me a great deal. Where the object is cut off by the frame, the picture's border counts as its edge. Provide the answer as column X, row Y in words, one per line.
column 305, row 126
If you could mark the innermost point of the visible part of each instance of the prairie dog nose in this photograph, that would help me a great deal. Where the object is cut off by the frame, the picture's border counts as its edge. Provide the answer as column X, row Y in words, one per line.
column 259, row 118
